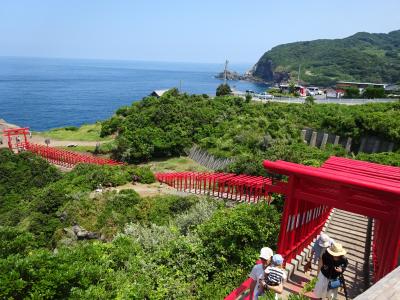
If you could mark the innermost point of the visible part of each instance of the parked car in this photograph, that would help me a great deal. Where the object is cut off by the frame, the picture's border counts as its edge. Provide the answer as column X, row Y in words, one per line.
column 313, row 91
column 266, row 96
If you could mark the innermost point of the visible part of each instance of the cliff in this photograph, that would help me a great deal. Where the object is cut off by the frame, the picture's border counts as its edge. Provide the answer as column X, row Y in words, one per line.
column 368, row 57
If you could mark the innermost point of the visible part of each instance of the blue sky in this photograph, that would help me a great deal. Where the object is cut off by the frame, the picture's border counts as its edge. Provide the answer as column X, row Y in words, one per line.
column 177, row 30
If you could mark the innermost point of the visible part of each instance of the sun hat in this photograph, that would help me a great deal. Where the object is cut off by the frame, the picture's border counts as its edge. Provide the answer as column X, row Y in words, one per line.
column 266, row 253
column 277, row 259
column 336, row 250
column 324, row 240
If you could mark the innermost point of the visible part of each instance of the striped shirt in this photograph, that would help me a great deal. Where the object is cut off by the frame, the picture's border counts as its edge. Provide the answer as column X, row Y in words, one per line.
column 274, row 275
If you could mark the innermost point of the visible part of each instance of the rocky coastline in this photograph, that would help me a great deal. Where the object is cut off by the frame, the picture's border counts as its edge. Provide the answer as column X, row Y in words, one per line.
column 234, row 76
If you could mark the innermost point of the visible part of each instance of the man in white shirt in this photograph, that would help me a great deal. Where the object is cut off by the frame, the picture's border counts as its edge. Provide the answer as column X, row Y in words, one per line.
column 258, row 270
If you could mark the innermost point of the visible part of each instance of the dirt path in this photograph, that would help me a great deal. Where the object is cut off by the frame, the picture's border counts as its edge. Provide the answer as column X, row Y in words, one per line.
column 54, row 143
column 146, row 190
column 58, row 143
column 39, row 139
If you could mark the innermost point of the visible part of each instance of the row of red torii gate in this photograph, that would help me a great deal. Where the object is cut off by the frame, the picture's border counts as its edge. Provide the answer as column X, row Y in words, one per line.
column 17, row 140
column 310, row 194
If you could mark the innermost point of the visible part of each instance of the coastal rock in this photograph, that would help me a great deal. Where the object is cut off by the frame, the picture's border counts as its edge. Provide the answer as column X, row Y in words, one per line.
column 265, row 71
column 230, row 75
column 248, row 76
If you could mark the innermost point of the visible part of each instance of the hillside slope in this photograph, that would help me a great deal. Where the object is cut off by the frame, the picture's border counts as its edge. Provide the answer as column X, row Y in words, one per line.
column 368, row 57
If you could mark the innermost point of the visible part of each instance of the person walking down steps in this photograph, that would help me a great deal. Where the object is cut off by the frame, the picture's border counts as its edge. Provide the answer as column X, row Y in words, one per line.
column 334, row 263
column 321, row 244
column 274, row 276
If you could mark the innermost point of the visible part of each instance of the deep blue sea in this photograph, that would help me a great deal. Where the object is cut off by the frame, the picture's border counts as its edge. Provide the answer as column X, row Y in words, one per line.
column 43, row 93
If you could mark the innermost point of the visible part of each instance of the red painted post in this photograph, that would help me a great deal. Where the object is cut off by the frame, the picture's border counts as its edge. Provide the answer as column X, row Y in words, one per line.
column 282, row 241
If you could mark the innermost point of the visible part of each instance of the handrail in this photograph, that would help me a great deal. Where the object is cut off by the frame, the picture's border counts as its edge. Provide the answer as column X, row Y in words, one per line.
column 240, row 290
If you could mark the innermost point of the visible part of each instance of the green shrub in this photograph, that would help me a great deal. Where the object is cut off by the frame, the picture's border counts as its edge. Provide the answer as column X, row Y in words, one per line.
column 310, row 100
column 248, row 98
column 15, row 241
column 24, row 171
column 160, row 209
column 144, row 174
column 71, row 128
column 196, row 215
column 385, row 158
column 223, row 90
column 89, row 176
column 351, row 92
column 234, row 236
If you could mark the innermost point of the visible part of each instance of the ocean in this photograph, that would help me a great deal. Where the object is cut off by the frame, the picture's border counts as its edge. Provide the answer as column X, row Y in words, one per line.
column 45, row 93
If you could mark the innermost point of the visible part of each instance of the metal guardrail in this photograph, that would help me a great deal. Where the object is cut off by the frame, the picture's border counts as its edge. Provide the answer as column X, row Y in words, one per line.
column 262, row 98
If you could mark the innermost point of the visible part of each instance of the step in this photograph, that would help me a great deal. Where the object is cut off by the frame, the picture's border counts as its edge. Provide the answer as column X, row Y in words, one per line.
column 348, row 222
column 341, row 237
column 349, row 225
column 354, row 246
column 347, row 213
column 346, row 230
column 350, row 230
column 341, row 213
column 333, row 232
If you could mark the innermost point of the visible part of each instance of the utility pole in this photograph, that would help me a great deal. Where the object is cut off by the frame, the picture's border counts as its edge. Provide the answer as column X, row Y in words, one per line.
column 298, row 76
column 225, row 70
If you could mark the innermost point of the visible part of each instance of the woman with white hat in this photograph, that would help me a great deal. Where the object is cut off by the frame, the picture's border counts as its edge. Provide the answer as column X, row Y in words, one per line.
column 258, row 271
column 321, row 244
column 334, row 263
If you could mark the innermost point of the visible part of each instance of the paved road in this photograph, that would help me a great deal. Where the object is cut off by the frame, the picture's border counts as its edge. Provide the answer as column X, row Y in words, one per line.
column 319, row 99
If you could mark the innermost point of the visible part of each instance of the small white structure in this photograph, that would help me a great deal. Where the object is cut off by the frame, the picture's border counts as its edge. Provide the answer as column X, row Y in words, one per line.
column 157, row 93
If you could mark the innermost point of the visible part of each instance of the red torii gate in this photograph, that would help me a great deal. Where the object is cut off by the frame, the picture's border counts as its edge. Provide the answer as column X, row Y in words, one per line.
column 356, row 186
column 16, row 132
column 222, row 185
column 56, row 156
column 360, row 187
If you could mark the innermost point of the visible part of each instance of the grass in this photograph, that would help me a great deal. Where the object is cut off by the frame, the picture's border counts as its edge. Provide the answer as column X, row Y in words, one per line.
column 88, row 132
column 176, row 164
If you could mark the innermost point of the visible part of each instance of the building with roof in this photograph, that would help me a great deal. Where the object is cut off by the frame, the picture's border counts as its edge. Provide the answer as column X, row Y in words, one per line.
column 158, row 93
column 359, row 85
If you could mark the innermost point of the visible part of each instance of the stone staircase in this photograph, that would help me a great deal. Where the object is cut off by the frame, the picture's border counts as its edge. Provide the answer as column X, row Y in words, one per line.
column 350, row 230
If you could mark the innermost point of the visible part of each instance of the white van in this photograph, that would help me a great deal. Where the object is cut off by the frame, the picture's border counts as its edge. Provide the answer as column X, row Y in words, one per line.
column 265, row 96
column 313, row 90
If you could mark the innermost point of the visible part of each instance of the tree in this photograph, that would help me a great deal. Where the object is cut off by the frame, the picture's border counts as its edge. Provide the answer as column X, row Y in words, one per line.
column 292, row 87
column 248, row 98
column 309, row 100
column 371, row 93
column 223, row 89
column 351, row 93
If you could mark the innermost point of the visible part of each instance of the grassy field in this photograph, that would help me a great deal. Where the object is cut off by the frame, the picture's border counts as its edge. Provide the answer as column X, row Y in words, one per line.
column 176, row 164
column 89, row 132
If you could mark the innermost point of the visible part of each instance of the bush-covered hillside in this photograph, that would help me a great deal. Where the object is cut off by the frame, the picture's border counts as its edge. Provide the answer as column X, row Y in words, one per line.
column 165, row 247
column 362, row 57
column 248, row 131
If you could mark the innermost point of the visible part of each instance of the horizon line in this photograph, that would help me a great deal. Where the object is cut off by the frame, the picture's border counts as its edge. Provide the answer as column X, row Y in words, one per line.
column 124, row 60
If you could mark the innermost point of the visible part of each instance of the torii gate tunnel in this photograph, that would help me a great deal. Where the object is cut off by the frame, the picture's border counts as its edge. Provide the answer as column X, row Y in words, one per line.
column 53, row 155
column 360, row 187
column 310, row 193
